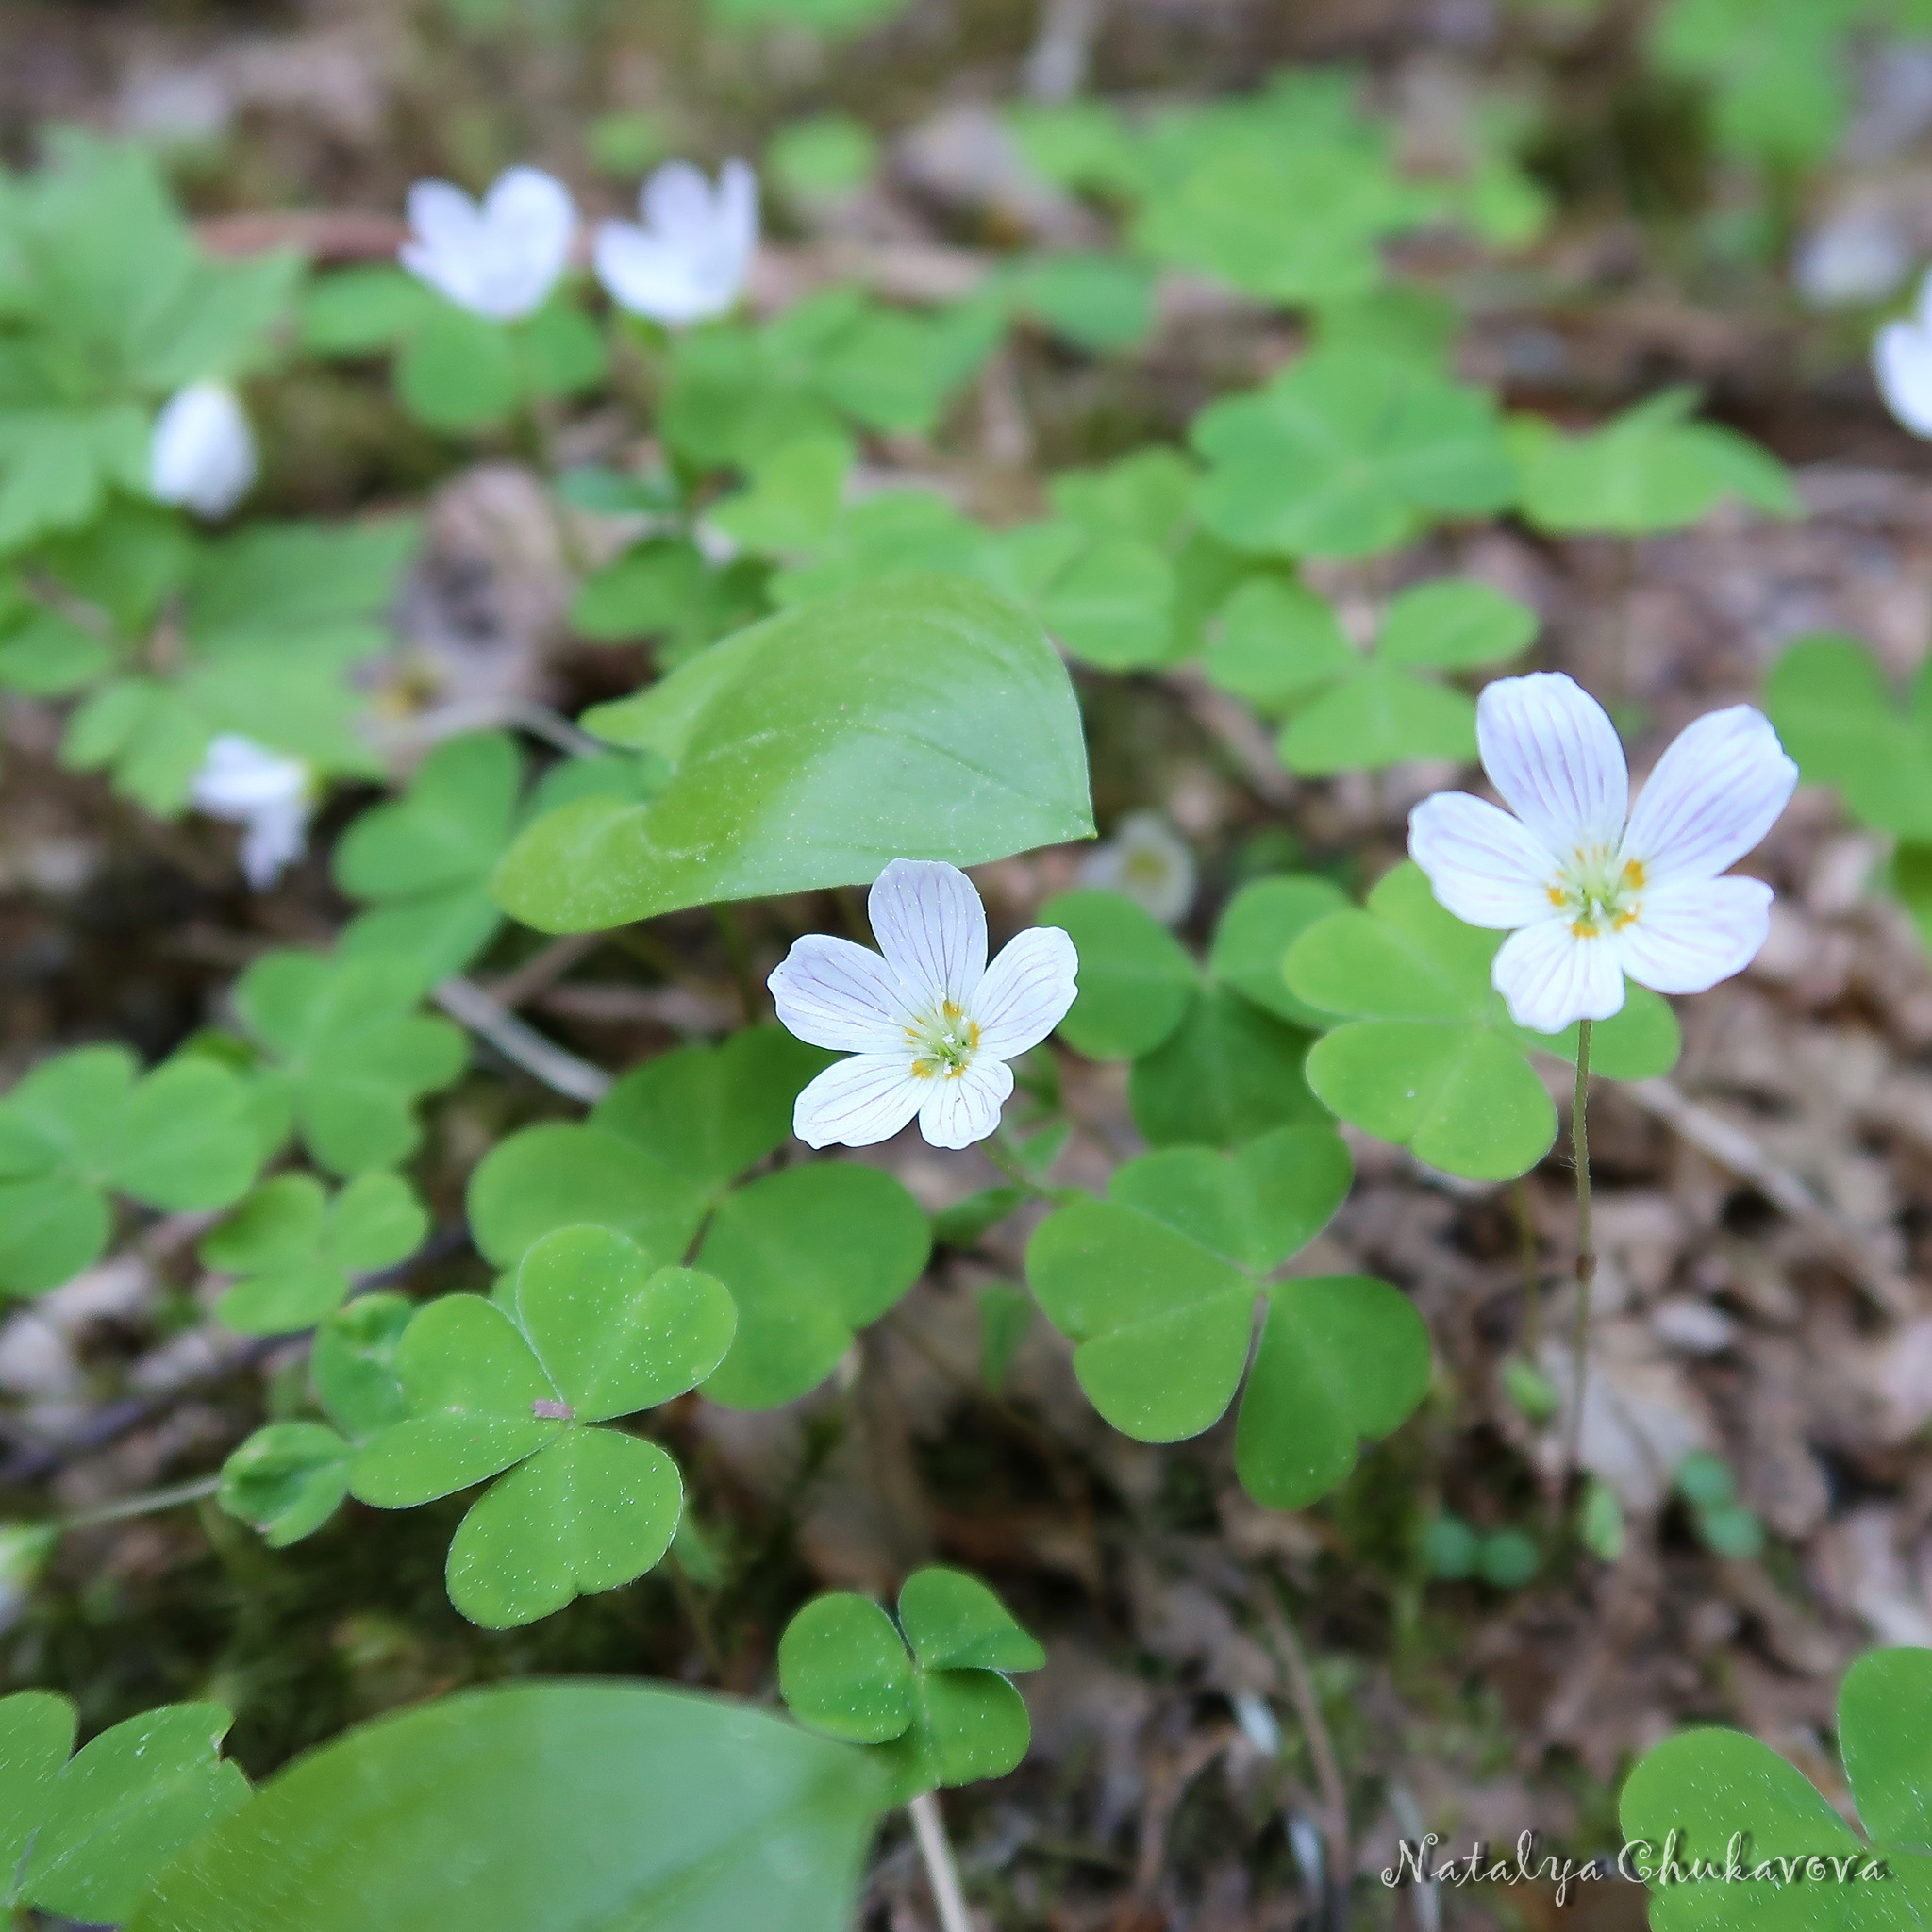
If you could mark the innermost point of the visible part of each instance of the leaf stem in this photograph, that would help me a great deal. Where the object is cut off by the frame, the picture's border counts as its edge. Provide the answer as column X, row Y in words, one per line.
column 147, row 1503
column 1585, row 1248
column 1302, row 1693
column 936, row 1852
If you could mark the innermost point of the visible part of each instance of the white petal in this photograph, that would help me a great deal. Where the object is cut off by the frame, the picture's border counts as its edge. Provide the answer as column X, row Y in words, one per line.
column 1902, row 362
column 1551, row 750
column 1486, row 867
column 962, row 1108
column 931, row 926
column 239, row 777
column 675, row 201
column 1715, row 792
column 1550, row 977
column 532, row 219
column 738, row 208
column 270, row 837
column 1691, row 933
column 445, row 220
column 1026, row 992
column 858, row 1102
column 650, row 277
column 201, row 452
column 830, row 992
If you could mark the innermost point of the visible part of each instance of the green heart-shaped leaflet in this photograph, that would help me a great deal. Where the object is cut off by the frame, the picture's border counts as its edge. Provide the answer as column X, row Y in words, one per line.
column 814, row 747
column 1136, row 978
column 80, row 1835
column 1427, row 1056
column 944, row 1715
column 180, row 1137
column 1723, row 1798
column 597, row 1333
column 541, row 1807
column 1156, row 1286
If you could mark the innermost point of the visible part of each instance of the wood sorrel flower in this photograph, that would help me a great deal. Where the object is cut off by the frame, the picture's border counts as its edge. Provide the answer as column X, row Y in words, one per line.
column 201, row 454
column 690, row 259
column 500, row 261
column 1589, row 889
column 268, row 795
column 1902, row 361
column 930, row 1027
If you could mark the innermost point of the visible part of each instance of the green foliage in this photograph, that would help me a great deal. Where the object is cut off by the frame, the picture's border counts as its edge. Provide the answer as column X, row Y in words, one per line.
column 81, row 1834
column 822, row 158
column 1649, row 469
column 541, row 1807
column 345, row 1054
column 1837, row 714
column 1100, row 303
column 1426, row 1054
column 86, row 1124
column 829, row 17
column 932, row 1691
column 1504, row 1558
column 811, row 749
column 105, row 306
column 664, row 589
column 1283, row 650
column 1217, row 1056
column 592, row 1330
column 297, row 1250
column 1723, row 1800
column 1725, row 1526
column 268, row 622
column 1347, row 452
column 1156, row 1286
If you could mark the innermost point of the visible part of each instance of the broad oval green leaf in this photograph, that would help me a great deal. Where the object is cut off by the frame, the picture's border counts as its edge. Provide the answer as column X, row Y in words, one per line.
column 578, row 1806
column 922, row 718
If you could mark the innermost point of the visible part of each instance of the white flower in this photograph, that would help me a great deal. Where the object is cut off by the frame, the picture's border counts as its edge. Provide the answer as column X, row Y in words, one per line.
column 1589, row 889
column 1146, row 860
column 930, row 1027
column 201, row 453
column 269, row 796
column 1902, row 361
column 689, row 260
column 500, row 261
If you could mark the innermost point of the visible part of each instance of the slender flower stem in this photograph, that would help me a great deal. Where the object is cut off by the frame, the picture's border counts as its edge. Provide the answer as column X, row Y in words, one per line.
column 1000, row 1151
column 936, row 1851
column 1586, row 1246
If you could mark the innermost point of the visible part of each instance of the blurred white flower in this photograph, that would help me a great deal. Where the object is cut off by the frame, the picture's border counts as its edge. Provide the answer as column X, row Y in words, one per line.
column 201, row 452
column 1902, row 361
column 1146, row 860
column 268, row 795
column 500, row 261
column 930, row 1027
column 689, row 261
column 1853, row 259
column 1588, row 887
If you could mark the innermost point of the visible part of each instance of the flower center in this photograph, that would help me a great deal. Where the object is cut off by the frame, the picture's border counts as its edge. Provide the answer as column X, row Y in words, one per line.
column 942, row 1042
column 1598, row 890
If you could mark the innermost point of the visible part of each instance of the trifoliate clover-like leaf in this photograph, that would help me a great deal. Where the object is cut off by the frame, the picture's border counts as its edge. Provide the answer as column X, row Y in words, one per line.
column 945, row 1714
column 1156, row 1286
column 1424, row 1053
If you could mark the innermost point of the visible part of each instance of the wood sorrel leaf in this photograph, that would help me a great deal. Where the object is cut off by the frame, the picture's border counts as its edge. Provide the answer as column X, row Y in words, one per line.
column 1136, row 978
column 573, row 1807
column 921, row 718
column 1226, row 1072
column 809, row 1255
column 594, row 1510
column 955, row 1622
column 1255, row 931
column 844, row 1670
column 287, row 1480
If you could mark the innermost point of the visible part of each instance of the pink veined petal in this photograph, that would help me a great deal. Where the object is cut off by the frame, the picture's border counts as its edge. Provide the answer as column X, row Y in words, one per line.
column 1486, row 867
column 930, row 925
column 1689, row 934
column 1027, row 991
column 1552, row 752
column 1549, row 976
column 962, row 1108
column 860, row 1102
column 1715, row 792
column 830, row 992
column 1902, row 363
column 676, row 203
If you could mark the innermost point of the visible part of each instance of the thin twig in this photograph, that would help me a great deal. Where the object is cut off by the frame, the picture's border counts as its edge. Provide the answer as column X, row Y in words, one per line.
column 1586, row 1249
column 563, row 1072
column 1302, row 1694
column 147, row 1503
column 543, row 969
column 941, row 1873
column 1733, row 1149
